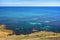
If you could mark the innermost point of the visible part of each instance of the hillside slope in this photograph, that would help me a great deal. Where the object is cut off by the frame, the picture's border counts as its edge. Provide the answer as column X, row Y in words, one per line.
column 42, row 35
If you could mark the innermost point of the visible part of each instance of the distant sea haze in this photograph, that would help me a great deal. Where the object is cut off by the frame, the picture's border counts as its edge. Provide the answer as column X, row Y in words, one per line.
column 24, row 20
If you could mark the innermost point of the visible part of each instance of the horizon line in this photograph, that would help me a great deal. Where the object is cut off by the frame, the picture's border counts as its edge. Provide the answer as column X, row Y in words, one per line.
column 29, row 4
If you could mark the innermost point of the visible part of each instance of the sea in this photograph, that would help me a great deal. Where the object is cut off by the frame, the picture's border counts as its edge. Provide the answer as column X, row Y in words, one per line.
column 24, row 20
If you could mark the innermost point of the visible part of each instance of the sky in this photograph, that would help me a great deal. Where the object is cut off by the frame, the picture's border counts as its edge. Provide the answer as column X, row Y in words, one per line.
column 29, row 2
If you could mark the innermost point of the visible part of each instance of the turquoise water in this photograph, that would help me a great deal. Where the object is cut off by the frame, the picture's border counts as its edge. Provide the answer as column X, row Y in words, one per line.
column 28, row 18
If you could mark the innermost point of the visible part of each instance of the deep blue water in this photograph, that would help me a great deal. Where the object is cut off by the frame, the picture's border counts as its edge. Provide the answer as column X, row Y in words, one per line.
column 25, row 19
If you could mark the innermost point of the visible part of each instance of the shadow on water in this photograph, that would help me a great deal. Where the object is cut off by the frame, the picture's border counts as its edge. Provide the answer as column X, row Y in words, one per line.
column 26, row 28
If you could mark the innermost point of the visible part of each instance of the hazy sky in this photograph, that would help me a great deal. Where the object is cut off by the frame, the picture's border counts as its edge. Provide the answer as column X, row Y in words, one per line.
column 30, row 2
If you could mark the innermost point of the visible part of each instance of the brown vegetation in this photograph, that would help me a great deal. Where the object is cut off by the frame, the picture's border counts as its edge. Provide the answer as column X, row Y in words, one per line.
column 42, row 35
column 4, row 31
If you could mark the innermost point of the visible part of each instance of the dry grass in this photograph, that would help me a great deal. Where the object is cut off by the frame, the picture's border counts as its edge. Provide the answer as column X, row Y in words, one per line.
column 4, row 32
column 42, row 35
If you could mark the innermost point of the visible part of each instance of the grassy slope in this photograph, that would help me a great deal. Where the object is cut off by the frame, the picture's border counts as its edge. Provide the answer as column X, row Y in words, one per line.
column 4, row 32
column 42, row 35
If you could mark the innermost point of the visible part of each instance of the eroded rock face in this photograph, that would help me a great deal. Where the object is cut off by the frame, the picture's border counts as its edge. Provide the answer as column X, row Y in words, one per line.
column 4, row 31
